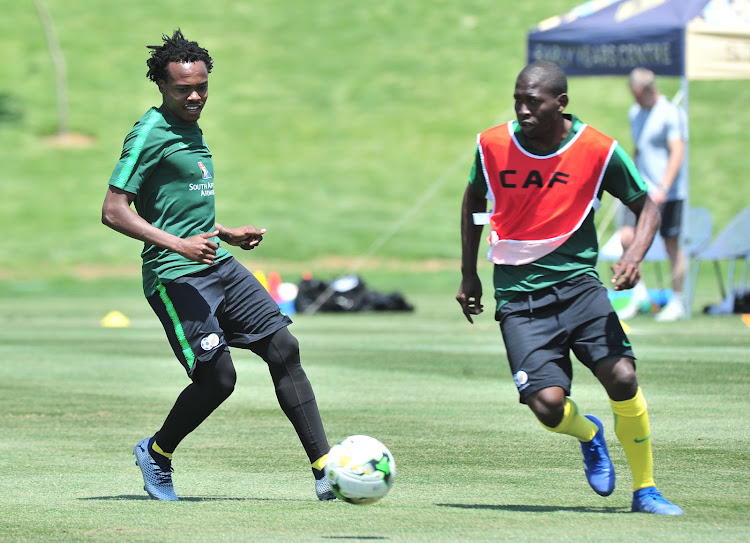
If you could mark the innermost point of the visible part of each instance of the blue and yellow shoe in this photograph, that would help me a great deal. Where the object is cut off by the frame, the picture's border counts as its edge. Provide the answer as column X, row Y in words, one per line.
column 649, row 500
column 157, row 479
column 600, row 472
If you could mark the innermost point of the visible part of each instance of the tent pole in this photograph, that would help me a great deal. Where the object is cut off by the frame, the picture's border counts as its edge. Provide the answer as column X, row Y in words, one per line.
column 688, row 285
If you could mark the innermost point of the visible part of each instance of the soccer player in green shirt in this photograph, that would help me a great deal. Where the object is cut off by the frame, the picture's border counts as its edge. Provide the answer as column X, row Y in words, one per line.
column 204, row 298
column 544, row 175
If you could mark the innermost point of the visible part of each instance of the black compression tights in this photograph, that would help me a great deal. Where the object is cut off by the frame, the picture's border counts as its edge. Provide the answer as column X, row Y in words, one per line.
column 214, row 381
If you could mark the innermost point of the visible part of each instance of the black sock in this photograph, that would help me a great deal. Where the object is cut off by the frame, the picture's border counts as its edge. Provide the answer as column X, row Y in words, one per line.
column 162, row 461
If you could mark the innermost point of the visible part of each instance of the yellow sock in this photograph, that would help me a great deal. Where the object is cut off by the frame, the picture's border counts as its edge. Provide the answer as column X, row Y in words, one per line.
column 634, row 433
column 159, row 450
column 320, row 462
column 574, row 424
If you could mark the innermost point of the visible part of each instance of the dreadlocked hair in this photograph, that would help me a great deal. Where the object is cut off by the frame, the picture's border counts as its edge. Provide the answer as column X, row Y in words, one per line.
column 175, row 49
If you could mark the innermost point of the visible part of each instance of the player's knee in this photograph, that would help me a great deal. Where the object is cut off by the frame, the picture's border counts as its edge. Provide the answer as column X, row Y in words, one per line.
column 283, row 349
column 548, row 405
column 218, row 375
column 224, row 385
column 618, row 378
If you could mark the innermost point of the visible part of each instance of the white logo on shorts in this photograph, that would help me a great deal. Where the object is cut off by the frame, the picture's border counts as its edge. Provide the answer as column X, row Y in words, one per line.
column 209, row 342
column 522, row 379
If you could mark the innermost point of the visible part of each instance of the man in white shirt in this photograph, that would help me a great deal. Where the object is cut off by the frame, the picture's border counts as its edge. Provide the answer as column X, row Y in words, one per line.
column 659, row 131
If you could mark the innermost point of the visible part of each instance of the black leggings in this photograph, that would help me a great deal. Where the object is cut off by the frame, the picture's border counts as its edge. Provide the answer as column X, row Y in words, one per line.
column 213, row 382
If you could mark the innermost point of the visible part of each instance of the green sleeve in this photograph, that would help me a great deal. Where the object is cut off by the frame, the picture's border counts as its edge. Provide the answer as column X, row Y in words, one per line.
column 621, row 178
column 141, row 153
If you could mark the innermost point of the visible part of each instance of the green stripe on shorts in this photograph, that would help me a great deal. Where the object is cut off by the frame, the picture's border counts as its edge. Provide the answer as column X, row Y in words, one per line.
column 179, row 332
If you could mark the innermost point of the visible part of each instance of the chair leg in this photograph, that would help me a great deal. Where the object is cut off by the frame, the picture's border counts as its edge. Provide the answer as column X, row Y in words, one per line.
column 722, row 290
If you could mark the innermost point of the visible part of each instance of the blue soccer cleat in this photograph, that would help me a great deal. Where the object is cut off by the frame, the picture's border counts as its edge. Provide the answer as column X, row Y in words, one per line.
column 649, row 500
column 157, row 480
column 599, row 470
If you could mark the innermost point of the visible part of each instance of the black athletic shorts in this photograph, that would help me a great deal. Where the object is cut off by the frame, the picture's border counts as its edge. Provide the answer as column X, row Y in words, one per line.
column 671, row 218
column 541, row 328
column 222, row 305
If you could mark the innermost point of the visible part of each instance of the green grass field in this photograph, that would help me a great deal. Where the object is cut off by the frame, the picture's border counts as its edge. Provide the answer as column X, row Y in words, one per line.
column 347, row 129
column 473, row 465
column 334, row 124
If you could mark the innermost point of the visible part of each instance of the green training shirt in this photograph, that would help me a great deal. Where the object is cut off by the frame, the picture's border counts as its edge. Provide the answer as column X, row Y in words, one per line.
column 578, row 255
column 168, row 166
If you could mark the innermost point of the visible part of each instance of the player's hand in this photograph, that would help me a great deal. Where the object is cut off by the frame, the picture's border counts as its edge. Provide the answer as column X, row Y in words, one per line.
column 625, row 274
column 469, row 296
column 199, row 248
column 244, row 237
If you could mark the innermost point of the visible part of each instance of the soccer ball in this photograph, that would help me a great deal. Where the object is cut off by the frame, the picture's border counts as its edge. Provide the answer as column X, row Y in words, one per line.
column 360, row 469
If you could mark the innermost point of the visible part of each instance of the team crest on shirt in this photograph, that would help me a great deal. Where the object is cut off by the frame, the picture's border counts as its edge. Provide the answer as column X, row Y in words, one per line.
column 205, row 174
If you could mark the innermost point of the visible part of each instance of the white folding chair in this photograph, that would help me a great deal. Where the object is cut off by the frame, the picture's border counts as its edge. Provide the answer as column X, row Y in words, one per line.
column 732, row 244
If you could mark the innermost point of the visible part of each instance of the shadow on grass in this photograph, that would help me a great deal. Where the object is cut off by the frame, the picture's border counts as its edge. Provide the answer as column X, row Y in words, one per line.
column 127, row 497
column 354, row 537
column 535, row 508
column 10, row 110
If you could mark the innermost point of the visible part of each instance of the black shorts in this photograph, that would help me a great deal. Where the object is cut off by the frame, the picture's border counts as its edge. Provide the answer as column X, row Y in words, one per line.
column 541, row 328
column 671, row 218
column 221, row 305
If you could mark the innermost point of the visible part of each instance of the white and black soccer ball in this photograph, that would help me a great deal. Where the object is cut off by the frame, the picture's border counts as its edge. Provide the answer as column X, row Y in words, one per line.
column 360, row 469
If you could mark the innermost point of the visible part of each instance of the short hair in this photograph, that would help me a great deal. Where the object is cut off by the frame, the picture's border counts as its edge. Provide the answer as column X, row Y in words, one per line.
column 548, row 74
column 174, row 49
column 643, row 78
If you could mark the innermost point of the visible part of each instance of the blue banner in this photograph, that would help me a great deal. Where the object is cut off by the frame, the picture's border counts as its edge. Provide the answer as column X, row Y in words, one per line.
column 614, row 39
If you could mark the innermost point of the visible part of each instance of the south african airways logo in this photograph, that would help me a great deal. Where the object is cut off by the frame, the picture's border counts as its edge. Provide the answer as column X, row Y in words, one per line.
column 204, row 171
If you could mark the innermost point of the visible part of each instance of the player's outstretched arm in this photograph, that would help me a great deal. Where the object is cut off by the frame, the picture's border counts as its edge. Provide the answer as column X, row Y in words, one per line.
column 244, row 237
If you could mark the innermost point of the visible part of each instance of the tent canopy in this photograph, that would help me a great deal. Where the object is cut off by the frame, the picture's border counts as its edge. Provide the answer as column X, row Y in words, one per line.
column 697, row 39
column 692, row 39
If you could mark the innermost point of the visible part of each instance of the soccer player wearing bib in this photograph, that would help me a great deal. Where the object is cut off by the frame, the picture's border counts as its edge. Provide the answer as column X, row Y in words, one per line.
column 544, row 175
column 203, row 297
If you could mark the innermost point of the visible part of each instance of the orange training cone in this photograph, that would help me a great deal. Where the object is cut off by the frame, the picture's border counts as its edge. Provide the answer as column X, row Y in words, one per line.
column 274, row 280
